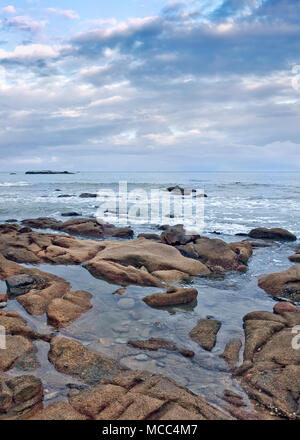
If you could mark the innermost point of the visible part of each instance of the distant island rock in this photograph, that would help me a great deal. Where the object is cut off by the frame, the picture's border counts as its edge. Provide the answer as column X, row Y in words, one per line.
column 48, row 172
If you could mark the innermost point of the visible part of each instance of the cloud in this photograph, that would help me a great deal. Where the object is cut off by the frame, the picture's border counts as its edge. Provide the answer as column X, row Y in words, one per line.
column 29, row 52
column 67, row 13
column 186, row 89
column 9, row 9
column 24, row 23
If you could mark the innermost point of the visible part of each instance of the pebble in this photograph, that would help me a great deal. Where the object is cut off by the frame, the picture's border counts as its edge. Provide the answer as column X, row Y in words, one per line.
column 3, row 304
column 142, row 357
column 126, row 303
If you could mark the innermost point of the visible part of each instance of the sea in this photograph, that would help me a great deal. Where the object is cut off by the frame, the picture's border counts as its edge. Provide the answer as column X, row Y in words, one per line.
column 235, row 203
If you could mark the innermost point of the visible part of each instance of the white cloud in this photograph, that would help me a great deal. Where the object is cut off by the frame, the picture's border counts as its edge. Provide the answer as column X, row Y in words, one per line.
column 29, row 52
column 25, row 23
column 9, row 9
column 67, row 13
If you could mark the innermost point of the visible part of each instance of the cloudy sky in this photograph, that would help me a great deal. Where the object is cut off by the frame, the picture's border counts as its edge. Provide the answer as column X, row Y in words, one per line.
column 150, row 85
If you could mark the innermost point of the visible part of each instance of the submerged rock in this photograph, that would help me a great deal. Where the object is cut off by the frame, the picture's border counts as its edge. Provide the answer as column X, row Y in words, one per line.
column 135, row 395
column 286, row 283
column 205, row 333
column 232, row 351
column 72, row 358
column 154, row 344
column 179, row 296
column 272, row 234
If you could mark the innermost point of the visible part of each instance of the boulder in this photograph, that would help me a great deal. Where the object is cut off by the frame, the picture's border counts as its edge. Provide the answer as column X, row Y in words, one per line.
column 20, row 397
column 285, row 284
column 63, row 311
column 19, row 284
column 272, row 234
column 87, row 196
column 154, row 344
column 177, row 235
column 153, row 256
column 70, row 214
column 179, row 296
column 16, row 347
column 295, row 258
column 72, row 358
column 121, row 275
column 271, row 370
column 205, row 333
column 218, row 255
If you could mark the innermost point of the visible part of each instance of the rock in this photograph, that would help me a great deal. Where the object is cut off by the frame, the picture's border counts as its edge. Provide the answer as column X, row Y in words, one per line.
column 87, row 195
column 177, row 235
column 70, row 214
column 295, row 258
column 272, row 234
column 285, row 284
column 126, row 303
column 16, row 347
column 232, row 351
column 11, row 220
column 64, row 196
column 154, row 237
column 20, row 397
column 272, row 375
column 218, row 255
column 42, row 223
column 171, row 276
column 48, row 172
column 155, row 344
column 205, row 333
column 3, row 297
column 136, row 395
column 37, row 301
column 19, row 284
column 233, row 398
column 180, row 296
column 283, row 307
column 59, row 411
column 14, row 324
column 121, row 262
column 121, row 275
column 72, row 358
column 3, row 305
column 62, row 311
column 120, row 291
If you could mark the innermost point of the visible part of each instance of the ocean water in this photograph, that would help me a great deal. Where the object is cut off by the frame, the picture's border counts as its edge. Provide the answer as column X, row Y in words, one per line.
column 235, row 204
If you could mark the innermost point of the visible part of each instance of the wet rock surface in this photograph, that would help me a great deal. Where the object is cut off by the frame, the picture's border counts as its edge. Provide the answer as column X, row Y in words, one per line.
column 205, row 333
column 135, row 395
column 20, row 397
column 178, row 296
column 285, row 284
column 155, row 344
column 72, row 358
column 271, row 369
column 272, row 234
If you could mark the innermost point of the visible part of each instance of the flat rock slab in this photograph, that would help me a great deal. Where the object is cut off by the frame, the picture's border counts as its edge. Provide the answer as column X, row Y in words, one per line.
column 136, row 395
column 179, row 296
column 205, row 333
column 72, row 358
column 16, row 347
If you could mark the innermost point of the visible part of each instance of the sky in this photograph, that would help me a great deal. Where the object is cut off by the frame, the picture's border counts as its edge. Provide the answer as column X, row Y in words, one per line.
column 150, row 85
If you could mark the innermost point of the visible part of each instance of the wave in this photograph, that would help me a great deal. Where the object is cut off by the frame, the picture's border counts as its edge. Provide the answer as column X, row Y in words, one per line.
column 8, row 184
